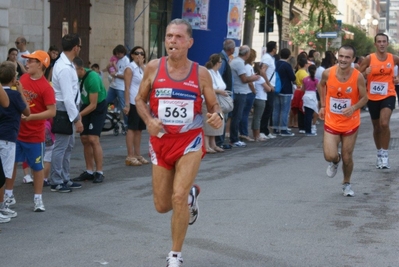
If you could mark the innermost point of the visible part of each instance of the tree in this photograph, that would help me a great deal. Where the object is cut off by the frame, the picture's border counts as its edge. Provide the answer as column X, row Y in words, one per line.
column 324, row 8
column 363, row 44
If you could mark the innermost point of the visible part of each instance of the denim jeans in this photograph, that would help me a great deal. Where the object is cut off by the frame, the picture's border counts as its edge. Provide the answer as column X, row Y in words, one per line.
column 112, row 94
column 281, row 109
column 245, row 114
column 239, row 105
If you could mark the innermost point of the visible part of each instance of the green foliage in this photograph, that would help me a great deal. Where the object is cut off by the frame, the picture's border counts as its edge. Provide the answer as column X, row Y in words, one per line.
column 362, row 43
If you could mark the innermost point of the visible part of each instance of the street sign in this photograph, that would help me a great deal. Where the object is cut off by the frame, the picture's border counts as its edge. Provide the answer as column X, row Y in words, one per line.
column 327, row 35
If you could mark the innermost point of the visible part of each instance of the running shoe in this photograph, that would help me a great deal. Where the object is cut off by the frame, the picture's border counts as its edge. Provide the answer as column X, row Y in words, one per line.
column 286, row 133
column 173, row 260
column 262, row 135
column 72, row 185
column 4, row 219
column 39, row 207
column 378, row 164
column 302, row 131
column 332, row 168
column 385, row 162
column 311, row 134
column 194, row 208
column 271, row 136
column 6, row 211
column 27, row 179
column 9, row 200
column 62, row 188
column 84, row 176
column 347, row 190
column 239, row 144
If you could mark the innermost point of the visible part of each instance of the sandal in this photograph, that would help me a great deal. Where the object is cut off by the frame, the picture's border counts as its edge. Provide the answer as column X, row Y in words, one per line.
column 218, row 149
column 210, row 151
column 142, row 160
column 132, row 161
column 246, row 138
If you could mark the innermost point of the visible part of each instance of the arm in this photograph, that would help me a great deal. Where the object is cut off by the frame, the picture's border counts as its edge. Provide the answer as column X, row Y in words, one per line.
column 93, row 97
column 365, row 66
column 4, row 100
column 22, row 67
column 361, row 84
column 128, row 75
column 247, row 79
column 322, row 88
column 212, row 104
column 48, row 113
column 20, row 89
column 154, row 125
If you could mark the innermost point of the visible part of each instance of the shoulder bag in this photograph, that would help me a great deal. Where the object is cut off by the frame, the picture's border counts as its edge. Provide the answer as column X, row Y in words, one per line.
column 225, row 102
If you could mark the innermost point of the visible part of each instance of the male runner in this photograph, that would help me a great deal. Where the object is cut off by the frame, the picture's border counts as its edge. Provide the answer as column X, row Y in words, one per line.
column 342, row 92
column 174, row 85
column 378, row 69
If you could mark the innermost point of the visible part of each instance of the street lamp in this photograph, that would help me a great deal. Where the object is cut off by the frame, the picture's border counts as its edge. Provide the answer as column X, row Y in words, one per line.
column 367, row 23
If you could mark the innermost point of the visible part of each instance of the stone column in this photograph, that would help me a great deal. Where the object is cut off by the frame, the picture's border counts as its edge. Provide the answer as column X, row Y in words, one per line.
column 4, row 30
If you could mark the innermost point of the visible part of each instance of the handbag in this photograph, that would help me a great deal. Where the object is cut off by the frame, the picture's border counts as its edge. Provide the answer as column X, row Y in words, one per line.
column 61, row 123
column 226, row 102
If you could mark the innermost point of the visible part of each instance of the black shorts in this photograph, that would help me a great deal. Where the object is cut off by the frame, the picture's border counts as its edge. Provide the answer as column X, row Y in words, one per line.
column 134, row 121
column 94, row 121
column 375, row 107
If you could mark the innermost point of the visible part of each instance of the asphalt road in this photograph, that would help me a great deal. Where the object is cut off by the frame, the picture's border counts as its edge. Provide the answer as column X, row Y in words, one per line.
column 269, row 204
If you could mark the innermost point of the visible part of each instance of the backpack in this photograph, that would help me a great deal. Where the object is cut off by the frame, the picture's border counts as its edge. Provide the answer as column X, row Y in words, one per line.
column 278, row 85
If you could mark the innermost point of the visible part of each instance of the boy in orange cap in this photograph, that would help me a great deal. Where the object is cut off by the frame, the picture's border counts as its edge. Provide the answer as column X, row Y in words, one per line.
column 30, row 142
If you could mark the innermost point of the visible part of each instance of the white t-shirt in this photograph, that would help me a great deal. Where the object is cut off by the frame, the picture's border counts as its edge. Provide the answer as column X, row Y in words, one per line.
column 260, row 92
column 136, row 80
column 118, row 83
column 22, row 59
column 271, row 67
column 217, row 80
column 319, row 72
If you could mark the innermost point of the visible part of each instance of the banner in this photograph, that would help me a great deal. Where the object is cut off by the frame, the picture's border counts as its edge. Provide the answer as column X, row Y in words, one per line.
column 235, row 19
column 196, row 13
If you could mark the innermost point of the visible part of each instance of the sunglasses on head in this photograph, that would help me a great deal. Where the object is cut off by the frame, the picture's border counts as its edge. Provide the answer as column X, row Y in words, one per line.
column 138, row 53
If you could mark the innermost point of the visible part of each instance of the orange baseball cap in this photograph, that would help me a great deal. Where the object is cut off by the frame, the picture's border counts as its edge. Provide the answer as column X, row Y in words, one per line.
column 40, row 55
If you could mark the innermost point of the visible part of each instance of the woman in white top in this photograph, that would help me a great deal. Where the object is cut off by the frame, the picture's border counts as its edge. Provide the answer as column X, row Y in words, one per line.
column 261, row 90
column 213, row 65
column 133, row 75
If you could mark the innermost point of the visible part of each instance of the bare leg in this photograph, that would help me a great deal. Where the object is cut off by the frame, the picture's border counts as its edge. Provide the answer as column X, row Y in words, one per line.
column 136, row 142
column 10, row 182
column 330, row 147
column 97, row 151
column 38, row 177
column 88, row 152
column 129, row 143
column 385, row 132
column 348, row 145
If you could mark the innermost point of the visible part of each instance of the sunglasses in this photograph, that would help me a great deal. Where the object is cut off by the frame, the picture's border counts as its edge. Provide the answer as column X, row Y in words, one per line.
column 139, row 53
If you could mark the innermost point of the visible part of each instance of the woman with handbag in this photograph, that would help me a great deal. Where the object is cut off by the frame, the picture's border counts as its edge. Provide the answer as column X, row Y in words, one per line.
column 219, row 86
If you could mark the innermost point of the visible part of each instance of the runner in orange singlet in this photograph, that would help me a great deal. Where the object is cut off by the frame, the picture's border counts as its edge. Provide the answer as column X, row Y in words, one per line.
column 173, row 86
column 378, row 68
column 342, row 91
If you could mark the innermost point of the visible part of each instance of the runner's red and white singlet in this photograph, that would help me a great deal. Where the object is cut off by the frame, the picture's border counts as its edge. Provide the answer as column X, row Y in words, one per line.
column 176, row 103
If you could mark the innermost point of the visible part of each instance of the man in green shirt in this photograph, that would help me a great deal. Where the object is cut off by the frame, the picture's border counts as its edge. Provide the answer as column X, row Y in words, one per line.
column 93, row 112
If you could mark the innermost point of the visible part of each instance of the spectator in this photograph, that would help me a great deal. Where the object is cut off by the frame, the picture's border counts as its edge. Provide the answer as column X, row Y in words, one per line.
column 261, row 89
column 225, row 71
column 20, row 43
column 282, row 101
column 29, row 146
column 250, row 99
column 12, row 56
column 269, row 60
column 9, row 126
column 241, row 89
column 133, row 75
column 213, row 65
column 92, row 112
column 116, row 89
column 310, row 101
column 66, row 88
column 53, row 52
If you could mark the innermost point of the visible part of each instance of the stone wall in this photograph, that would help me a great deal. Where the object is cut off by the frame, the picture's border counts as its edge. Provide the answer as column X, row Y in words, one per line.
column 4, row 29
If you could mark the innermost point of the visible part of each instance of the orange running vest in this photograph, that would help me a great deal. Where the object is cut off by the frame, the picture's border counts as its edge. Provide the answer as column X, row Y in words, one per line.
column 339, row 96
column 380, row 80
